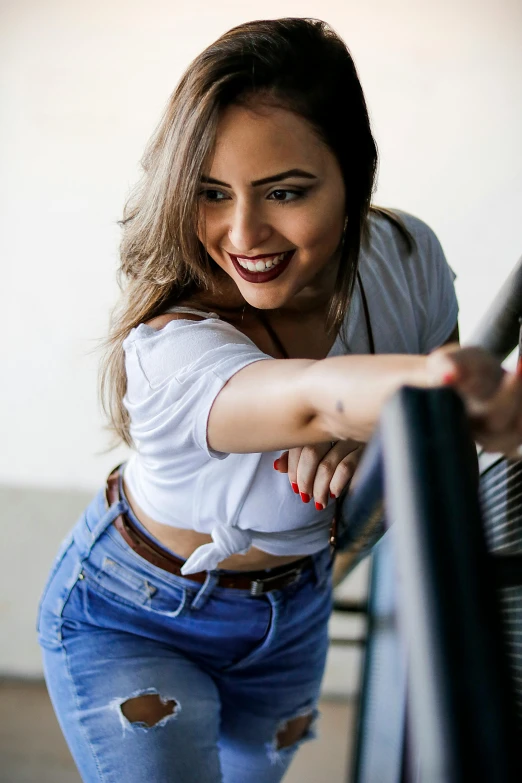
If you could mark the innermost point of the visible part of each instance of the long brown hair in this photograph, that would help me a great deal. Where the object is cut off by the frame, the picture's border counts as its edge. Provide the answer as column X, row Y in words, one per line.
column 299, row 64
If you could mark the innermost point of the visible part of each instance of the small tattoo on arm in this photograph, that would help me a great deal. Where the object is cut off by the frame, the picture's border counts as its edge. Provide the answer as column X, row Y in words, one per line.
column 339, row 407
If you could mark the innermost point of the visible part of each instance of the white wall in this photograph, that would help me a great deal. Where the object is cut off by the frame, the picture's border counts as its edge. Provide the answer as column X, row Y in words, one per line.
column 82, row 86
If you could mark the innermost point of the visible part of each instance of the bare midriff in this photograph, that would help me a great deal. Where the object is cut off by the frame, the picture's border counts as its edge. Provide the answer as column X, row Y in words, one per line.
column 183, row 543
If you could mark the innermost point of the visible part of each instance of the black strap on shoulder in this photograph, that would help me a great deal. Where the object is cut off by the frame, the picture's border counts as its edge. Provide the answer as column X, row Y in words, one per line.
column 275, row 339
column 366, row 311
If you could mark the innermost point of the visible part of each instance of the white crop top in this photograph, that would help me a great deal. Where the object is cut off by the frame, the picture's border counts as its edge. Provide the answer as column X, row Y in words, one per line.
column 175, row 374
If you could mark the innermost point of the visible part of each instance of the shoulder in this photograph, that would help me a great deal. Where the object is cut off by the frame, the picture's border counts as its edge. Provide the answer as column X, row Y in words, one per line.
column 403, row 241
column 176, row 344
column 403, row 228
column 408, row 280
column 160, row 321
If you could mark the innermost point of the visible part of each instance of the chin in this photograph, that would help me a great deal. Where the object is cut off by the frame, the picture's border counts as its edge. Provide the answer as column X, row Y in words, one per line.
column 268, row 302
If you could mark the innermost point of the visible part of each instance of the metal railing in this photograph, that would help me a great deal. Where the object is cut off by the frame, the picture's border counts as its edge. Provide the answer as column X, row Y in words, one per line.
column 444, row 661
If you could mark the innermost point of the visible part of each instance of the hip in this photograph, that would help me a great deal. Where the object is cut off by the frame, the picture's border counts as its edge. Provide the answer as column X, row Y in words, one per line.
column 99, row 582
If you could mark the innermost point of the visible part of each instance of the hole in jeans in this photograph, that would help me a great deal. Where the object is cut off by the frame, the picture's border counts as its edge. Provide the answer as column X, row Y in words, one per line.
column 149, row 709
column 294, row 730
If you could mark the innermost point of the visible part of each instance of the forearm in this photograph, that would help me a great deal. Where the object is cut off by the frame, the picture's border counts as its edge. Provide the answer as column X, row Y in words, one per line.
column 345, row 394
column 281, row 404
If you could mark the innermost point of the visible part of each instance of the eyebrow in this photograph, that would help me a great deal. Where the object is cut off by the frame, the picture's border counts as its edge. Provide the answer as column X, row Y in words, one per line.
column 265, row 180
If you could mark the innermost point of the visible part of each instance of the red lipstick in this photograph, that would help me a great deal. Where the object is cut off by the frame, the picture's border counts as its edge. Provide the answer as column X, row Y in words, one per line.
column 261, row 277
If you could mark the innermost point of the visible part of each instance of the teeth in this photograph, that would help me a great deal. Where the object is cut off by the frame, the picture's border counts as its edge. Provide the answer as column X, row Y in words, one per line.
column 261, row 265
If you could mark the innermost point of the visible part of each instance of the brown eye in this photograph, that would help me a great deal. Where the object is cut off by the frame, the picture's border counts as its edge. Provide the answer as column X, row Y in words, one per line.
column 285, row 196
column 212, row 195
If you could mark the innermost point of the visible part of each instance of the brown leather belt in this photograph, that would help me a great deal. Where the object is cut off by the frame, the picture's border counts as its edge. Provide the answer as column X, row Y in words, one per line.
column 258, row 582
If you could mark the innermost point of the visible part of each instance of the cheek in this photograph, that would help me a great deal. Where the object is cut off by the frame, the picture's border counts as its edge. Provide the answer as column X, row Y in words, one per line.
column 208, row 228
column 322, row 236
column 319, row 227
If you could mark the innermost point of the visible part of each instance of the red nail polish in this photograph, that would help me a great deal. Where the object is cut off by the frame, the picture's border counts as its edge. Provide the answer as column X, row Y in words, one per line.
column 332, row 495
column 319, row 506
column 448, row 377
column 276, row 464
column 305, row 498
column 295, row 488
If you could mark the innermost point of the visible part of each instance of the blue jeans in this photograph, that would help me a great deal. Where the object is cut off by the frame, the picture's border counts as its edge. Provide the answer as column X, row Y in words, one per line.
column 231, row 669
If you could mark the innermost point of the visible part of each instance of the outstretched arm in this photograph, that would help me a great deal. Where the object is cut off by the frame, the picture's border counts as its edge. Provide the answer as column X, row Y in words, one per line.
column 280, row 404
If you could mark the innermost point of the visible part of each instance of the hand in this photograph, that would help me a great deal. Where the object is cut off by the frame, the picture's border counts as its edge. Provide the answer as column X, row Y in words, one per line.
column 493, row 397
column 321, row 471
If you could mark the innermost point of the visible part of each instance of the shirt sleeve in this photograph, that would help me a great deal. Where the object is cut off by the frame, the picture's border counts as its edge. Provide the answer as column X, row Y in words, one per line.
column 432, row 284
column 173, row 377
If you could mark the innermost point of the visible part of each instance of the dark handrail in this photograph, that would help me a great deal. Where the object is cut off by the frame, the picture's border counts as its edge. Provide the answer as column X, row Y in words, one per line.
column 463, row 714
column 498, row 330
column 463, row 718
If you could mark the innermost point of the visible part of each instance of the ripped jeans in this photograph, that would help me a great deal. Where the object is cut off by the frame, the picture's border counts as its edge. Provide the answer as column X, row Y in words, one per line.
column 233, row 679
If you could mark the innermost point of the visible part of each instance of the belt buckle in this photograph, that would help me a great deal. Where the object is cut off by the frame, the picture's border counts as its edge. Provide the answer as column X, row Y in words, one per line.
column 260, row 586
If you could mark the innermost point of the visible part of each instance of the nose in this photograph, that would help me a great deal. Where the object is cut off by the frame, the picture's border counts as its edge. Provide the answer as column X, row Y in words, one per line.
column 247, row 228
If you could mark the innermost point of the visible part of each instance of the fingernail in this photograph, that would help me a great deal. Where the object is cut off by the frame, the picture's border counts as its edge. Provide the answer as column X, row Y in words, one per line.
column 319, row 506
column 332, row 495
column 518, row 370
column 305, row 498
column 295, row 488
column 276, row 464
column 448, row 377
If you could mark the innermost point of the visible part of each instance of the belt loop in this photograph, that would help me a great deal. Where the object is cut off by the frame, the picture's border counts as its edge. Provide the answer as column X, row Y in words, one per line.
column 205, row 591
column 120, row 480
column 106, row 521
column 85, row 537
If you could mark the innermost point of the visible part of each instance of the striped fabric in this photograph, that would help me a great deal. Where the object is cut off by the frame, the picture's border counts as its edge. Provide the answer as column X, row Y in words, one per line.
column 501, row 501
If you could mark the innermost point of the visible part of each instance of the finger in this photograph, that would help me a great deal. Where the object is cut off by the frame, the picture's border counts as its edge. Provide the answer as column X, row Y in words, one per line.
column 310, row 459
column 499, row 429
column 343, row 474
column 293, row 461
column 337, row 458
column 281, row 464
column 501, row 414
column 472, row 371
column 507, row 445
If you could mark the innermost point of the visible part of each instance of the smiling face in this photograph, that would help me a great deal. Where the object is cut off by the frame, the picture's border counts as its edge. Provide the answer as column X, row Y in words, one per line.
column 272, row 207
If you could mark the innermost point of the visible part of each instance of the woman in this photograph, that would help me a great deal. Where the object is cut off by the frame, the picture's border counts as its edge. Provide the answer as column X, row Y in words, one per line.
column 184, row 624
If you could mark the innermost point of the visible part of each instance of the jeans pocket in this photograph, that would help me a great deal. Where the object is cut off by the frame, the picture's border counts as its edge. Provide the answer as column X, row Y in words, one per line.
column 267, row 608
column 119, row 582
